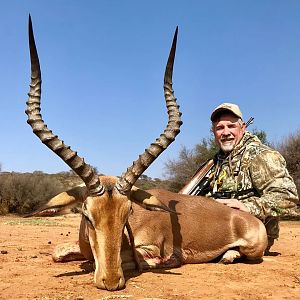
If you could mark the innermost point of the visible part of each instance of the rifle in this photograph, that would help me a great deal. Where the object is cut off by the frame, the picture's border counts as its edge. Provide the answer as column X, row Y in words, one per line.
column 200, row 181
column 194, row 187
column 249, row 122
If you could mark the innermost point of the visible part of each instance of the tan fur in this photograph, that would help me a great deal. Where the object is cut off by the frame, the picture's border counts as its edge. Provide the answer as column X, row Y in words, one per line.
column 199, row 230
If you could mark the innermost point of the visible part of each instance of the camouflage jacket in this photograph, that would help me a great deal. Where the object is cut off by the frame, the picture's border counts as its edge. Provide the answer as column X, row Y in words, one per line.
column 256, row 175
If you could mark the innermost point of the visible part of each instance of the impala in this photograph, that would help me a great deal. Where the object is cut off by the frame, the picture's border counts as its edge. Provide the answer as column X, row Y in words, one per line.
column 164, row 229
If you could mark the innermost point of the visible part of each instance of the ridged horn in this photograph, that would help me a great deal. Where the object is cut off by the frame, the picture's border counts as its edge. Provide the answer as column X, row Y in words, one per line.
column 70, row 157
column 127, row 180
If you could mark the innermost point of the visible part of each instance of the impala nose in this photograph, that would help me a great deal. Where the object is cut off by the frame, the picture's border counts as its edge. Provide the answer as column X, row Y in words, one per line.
column 112, row 284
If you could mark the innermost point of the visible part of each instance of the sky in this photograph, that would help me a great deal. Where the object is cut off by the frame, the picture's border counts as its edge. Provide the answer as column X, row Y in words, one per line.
column 103, row 62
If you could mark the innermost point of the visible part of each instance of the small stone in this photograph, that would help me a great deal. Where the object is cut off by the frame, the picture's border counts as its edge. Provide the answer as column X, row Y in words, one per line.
column 4, row 252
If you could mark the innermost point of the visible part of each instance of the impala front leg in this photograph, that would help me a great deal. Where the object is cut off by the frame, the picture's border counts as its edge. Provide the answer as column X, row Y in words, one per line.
column 79, row 250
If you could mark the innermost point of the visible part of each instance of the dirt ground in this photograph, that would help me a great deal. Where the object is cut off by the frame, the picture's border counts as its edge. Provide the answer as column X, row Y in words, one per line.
column 28, row 272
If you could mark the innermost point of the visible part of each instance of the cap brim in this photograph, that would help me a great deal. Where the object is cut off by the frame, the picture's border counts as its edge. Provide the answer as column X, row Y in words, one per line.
column 222, row 109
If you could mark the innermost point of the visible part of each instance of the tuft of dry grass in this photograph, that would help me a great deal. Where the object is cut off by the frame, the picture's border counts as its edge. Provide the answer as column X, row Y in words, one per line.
column 33, row 221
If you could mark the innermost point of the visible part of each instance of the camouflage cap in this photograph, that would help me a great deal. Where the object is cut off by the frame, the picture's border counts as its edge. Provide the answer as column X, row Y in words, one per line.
column 233, row 108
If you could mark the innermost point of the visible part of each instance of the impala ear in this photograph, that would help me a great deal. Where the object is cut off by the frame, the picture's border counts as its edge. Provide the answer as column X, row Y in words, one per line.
column 62, row 201
column 148, row 201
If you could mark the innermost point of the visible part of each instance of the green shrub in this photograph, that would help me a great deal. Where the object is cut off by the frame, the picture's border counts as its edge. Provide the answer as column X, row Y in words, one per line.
column 290, row 149
column 23, row 193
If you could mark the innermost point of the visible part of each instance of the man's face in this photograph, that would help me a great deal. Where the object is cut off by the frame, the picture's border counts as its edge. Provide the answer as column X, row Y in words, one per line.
column 228, row 131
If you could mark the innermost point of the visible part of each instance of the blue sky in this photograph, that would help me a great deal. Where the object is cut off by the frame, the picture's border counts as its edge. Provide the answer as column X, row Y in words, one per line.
column 103, row 63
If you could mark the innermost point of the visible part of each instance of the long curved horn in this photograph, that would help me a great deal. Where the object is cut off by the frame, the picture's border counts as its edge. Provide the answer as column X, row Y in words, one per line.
column 127, row 180
column 76, row 163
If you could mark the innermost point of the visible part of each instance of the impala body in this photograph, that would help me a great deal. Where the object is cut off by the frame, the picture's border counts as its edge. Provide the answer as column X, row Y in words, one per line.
column 187, row 229
column 164, row 229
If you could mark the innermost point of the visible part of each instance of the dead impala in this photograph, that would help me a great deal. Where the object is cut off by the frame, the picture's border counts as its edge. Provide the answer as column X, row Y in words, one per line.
column 182, row 229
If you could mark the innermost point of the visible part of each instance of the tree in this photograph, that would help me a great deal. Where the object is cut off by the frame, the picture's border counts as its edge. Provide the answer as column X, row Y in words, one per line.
column 179, row 171
column 290, row 149
column 262, row 135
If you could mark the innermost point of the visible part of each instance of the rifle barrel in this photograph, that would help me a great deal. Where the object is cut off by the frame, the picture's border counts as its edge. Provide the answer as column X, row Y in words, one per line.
column 250, row 121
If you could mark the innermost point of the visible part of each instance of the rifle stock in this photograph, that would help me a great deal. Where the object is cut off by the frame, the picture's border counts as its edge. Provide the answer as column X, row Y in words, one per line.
column 189, row 188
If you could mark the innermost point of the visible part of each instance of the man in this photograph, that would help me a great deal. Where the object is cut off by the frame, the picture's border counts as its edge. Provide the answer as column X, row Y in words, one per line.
column 246, row 174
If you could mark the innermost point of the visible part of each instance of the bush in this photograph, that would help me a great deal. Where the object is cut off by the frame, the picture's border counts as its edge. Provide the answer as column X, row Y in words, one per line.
column 146, row 183
column 23, row 193
column 290, row 149
column 180, row 171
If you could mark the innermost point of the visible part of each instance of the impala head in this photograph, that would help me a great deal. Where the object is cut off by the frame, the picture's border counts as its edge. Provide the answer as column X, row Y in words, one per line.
column 106, row 200
column 105, row 216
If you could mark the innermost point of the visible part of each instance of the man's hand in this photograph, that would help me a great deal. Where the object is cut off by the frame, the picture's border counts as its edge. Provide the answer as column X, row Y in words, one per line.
column 234, row 203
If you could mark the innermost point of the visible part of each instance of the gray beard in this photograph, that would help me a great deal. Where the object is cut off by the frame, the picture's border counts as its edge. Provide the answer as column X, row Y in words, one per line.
column 226, row 148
